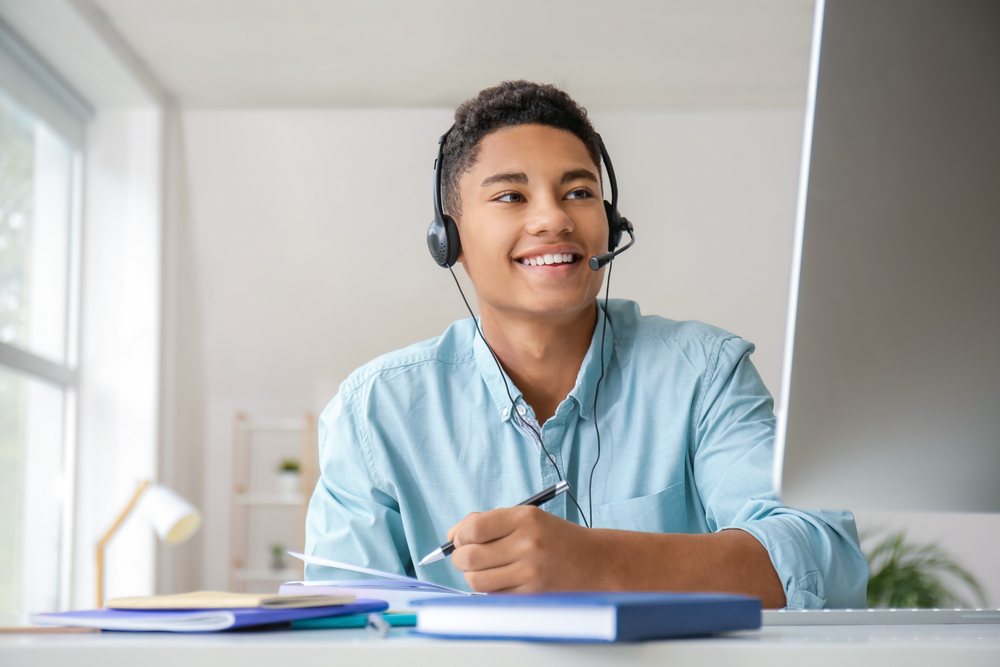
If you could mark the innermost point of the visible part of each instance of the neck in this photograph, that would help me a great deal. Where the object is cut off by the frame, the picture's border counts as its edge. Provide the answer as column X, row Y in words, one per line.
column 542, row 355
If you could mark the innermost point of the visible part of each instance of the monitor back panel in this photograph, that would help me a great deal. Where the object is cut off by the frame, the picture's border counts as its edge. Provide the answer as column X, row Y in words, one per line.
column 894, row 398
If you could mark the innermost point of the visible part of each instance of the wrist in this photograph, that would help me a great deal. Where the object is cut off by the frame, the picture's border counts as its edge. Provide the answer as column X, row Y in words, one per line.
column 633, row 561
column 610, row 558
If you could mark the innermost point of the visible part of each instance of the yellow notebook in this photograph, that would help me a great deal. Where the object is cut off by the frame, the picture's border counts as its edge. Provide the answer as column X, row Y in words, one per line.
column 217, row 600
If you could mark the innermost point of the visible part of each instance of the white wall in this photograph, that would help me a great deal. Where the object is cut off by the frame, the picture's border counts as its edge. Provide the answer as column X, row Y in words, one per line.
column 119, row 348
column 308, row 239
column 182, row 404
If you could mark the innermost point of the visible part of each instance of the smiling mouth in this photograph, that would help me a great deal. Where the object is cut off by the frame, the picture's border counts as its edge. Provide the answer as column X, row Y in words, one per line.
column 549, row 259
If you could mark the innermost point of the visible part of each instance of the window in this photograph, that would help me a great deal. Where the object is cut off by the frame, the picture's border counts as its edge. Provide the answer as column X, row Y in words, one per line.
column 39, row 184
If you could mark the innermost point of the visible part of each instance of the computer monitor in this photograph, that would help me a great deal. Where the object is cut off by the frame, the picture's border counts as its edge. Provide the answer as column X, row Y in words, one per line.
column 893, row 399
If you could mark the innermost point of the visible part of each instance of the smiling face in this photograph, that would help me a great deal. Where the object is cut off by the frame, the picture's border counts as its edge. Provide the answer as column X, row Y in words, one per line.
column 532, row 216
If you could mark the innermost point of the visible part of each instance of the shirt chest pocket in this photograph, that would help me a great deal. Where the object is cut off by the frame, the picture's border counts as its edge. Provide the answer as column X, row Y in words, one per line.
column 663, row 512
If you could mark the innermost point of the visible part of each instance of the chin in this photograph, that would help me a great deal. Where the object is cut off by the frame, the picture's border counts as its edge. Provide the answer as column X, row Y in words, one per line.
column 555, row 307
column 569, row 301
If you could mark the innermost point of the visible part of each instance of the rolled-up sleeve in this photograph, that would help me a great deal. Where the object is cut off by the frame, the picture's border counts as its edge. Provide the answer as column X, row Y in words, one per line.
column 352, row 516
column 816, row 554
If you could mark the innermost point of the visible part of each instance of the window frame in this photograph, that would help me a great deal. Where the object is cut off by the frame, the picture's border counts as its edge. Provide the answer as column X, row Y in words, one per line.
column 27, row 79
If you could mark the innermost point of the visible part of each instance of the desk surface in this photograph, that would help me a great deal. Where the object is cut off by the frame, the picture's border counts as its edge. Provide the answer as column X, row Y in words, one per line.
column 816, row 646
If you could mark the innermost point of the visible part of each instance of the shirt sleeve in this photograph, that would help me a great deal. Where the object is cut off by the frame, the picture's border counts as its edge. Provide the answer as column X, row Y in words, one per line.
column 816, row 554
column 352, row 516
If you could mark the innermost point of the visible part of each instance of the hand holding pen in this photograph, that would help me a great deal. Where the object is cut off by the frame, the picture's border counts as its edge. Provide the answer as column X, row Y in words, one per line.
column 536, row 500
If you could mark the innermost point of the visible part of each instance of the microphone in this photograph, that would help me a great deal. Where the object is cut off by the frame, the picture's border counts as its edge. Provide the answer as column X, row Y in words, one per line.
column 597, row 262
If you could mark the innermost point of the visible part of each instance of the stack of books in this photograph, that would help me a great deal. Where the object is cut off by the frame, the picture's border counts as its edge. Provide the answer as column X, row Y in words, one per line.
column 208, row 611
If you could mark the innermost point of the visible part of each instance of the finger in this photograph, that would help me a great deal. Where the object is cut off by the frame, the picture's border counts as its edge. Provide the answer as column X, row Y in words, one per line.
column 504, row 578
column 474, row 557
column 528, row 587
column 485, row 527
column 454, row 529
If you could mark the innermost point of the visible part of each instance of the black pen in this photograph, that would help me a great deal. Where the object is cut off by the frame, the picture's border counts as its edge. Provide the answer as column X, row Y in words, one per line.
column 537, row 500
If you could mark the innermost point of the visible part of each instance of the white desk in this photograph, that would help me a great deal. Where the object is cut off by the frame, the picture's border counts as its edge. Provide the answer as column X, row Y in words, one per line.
column 817, row 646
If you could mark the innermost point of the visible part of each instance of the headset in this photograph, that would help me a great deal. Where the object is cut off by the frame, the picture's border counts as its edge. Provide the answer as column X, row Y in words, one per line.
column 444, row 244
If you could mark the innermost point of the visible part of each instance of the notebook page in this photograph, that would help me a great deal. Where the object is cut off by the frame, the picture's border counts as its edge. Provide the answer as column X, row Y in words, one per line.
column 316, row 560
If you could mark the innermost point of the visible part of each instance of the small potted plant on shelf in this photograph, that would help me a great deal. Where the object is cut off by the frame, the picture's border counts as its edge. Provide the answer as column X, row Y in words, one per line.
column 277, row 557
column 288, row 477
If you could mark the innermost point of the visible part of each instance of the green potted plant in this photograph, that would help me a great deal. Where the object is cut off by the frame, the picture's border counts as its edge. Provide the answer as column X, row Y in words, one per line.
column 288, row 477
column 907, row 575
column 277, row 557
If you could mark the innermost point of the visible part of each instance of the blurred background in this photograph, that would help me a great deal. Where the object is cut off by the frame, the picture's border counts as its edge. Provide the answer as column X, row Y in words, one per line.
column 212, row 211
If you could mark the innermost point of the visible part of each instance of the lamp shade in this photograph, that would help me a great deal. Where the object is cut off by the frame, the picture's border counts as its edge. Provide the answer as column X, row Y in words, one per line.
column 173, row 518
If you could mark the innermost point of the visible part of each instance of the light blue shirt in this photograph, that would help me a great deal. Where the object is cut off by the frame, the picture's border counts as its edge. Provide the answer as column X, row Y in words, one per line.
column 420, row 437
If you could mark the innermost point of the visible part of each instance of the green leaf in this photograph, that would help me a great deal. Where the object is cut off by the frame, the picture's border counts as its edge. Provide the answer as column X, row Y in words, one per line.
column 910, row 575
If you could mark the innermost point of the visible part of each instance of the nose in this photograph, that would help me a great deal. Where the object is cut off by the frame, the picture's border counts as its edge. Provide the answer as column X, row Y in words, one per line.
column 548, row 217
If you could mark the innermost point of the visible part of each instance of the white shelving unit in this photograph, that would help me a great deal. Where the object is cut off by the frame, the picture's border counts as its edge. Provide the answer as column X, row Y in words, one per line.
column 288, row 574
column 269, row 499
column 258, row 447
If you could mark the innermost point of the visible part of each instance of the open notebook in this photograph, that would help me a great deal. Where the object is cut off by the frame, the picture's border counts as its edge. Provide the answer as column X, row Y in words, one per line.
column 396, row 589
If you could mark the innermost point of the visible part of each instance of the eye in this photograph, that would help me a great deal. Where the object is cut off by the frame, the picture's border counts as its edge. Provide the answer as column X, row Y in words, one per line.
column 580, row 193
column 509, row 197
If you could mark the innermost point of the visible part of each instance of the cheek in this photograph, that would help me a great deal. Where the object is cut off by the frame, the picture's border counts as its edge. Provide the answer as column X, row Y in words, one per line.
column 599, row 232
column 488, row 251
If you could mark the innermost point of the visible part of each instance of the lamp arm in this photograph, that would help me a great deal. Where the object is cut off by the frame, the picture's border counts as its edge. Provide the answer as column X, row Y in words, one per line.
column 103, row 542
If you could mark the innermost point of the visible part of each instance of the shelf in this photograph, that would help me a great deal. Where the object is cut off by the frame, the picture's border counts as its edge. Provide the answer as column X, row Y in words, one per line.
column 274, row 499
column 277, row 425
column 268, row 575
column 268, row 510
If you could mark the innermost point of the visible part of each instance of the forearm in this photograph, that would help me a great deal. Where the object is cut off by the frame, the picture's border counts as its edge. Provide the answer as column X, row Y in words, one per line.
column 730, row 561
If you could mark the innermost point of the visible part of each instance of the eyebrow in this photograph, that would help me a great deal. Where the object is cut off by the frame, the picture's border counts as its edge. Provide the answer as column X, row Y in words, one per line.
column 520, row 178
column 575, row 174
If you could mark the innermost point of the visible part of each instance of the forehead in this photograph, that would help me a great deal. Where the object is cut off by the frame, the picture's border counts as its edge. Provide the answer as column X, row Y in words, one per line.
column 528, row 148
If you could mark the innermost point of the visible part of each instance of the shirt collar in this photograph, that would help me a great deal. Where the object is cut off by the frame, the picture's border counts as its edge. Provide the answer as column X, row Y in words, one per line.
column 586, row 380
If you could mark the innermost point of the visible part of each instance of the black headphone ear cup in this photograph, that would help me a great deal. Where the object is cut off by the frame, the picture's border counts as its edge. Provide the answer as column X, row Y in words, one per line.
column 437, row 242
column 443, row 241
column 453, row 239
column 614, row 226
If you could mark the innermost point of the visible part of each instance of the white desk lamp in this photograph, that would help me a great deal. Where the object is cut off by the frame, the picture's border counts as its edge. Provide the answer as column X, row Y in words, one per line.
column 172, row 518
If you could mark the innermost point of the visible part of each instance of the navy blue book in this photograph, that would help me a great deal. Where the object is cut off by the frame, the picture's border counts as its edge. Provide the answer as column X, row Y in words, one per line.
column 200, row 620
column 591, row 617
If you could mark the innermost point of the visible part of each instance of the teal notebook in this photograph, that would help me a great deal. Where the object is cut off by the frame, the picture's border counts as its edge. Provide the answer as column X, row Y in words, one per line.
column 197, row 620
column 354, row 621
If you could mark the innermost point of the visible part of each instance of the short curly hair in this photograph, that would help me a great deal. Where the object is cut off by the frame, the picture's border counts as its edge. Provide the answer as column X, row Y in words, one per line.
column 507, row 105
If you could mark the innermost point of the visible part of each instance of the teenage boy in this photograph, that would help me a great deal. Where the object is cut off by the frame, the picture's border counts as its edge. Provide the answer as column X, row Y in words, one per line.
column 681, row 494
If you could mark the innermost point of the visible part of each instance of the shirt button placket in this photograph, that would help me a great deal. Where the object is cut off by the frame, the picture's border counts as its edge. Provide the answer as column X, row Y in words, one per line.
column 550, row 475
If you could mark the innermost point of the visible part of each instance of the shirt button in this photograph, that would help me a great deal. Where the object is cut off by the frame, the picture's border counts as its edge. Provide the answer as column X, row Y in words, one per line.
column 505, row 411
column 521, row 410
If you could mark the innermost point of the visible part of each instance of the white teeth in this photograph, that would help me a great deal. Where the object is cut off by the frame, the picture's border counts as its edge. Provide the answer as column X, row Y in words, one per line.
column 541, row 260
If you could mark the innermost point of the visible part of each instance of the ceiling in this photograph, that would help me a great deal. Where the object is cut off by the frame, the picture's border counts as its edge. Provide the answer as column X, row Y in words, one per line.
column 626, row 54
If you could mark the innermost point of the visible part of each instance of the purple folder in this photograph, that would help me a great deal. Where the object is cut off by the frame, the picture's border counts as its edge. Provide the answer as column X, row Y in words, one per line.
column 197, row 620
